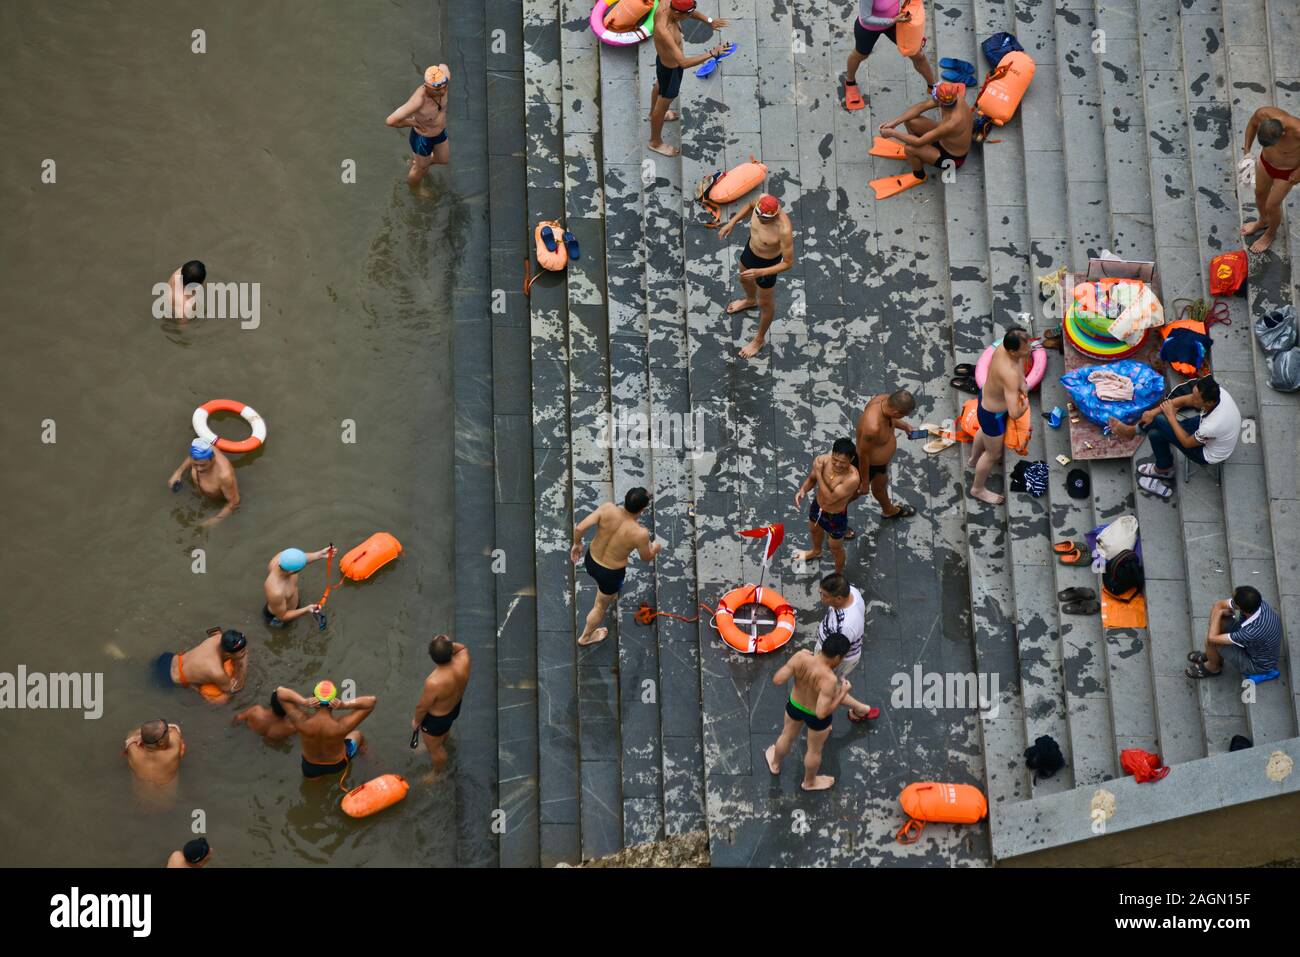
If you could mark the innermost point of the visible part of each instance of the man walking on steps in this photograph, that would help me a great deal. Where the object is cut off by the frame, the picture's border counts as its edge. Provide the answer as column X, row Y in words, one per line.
column 812, row 702
column 671, row 62
column 768, row 253
column 877, row 444
column 1276, row 171
column 1005, row 394
column 876, row 18
column 618, row 532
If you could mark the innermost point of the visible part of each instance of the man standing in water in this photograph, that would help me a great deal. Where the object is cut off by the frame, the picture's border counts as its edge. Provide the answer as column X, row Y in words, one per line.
column 153, row 753
column 205, row 664
column 935, row 144
column 1005, row 393
column 618, row 532
column 1277, row 170
column 196, row 853
column 329, row 742
column 769, row 252
column 426, row 114
column 186, row 290
column 832, row 480
column 212, row 474
column 281, row 585
column 439, row 704
column 816, row 695
column 671, row 62
column 877, row 445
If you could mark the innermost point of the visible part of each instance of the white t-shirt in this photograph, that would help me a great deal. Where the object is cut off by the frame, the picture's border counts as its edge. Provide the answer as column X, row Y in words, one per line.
column 1219, row 430
column 850, row 621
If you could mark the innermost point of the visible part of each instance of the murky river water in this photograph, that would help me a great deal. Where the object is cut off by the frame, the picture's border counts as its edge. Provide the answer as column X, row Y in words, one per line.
column 233, row 157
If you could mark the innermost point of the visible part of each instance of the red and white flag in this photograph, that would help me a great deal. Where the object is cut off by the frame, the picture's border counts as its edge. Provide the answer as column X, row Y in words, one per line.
column 774, row 534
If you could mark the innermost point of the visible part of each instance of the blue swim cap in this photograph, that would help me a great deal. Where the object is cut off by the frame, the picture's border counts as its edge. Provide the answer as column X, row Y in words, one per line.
column 200, row 449
column 293, row 559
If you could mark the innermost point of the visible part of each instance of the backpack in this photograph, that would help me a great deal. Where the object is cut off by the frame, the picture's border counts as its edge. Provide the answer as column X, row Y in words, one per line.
column 943, row 803
column 1143, row 765
column 1044, row 757
column 1123, row 574
column 1228, row 272
column 998, row 46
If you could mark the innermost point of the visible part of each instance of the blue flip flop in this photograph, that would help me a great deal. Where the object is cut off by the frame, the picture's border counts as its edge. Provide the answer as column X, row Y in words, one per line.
column 708, row 66
column 571, row 244
column 961, row 66
column 548, row 239
column 956, row 76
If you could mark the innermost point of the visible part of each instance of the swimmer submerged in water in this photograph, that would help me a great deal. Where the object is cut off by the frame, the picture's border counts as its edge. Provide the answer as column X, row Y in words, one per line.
column 204, row 667
column 187, row 290
column 271, row 723
column 426, row 115
column 213, row 476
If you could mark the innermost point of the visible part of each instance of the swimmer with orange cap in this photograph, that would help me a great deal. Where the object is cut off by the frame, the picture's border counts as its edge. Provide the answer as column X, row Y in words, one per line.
column 671, row 62
column 426, row 115
column 943, row 144
column 327, row 726
column 769, row 252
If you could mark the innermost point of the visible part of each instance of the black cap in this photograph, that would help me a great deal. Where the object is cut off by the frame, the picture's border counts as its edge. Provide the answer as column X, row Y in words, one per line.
column 196, row 850
column 233, row 642
column 1077, row 484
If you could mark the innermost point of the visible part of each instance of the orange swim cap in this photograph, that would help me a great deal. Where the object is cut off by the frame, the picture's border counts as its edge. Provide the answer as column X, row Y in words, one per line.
column 946, row 94
column 434, row 77
column 768, row 205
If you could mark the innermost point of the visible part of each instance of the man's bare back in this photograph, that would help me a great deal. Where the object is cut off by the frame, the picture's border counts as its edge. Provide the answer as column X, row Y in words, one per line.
column 155, row 765
column 876, row 440
column 956, row 129
column 1006, row 377
column 815, row 684
column 618, row 534
column 445, row 686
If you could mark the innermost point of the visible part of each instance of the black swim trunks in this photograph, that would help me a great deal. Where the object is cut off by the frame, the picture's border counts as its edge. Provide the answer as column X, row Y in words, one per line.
column 670, row 81
column 751, row 260
column 272, row 621
column 836, row 524
column 437, row 725
column 874, row 470
column 312, row 770
column 799, row 713
column 608, row 580
column 957, row 161
column 864, row 40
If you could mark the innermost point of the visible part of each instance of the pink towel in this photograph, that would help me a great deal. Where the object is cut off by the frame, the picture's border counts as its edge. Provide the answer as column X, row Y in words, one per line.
column 1110, row 386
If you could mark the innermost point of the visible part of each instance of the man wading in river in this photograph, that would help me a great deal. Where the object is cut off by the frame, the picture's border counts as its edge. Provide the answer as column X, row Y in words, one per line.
column 618, row 532
column 281, row 585
column 212, row 474
column 426, row 114
column 329, row 734
column 439, row 704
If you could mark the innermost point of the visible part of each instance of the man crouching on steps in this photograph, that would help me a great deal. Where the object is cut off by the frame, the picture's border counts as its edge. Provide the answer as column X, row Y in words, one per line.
column 618, row 532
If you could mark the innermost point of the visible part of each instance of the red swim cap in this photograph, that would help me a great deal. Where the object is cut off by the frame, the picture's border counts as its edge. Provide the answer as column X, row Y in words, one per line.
column 947, row 94
column 768, row 205
column 684, row 6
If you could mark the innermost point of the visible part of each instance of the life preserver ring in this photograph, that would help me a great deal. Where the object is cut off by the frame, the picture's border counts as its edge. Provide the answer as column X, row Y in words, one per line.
column 625, row 38
column 1035, row 367
column 247, row 412
column 749, row 640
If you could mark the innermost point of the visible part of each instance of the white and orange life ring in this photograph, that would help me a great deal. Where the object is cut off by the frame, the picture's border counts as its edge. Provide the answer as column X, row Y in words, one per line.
column 748, row 639
column 247, row 412
column 1035, row 366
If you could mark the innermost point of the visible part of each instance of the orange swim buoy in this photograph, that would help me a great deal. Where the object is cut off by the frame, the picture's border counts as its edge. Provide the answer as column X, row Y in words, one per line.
column 1005, row 87
column 247, row 412
column 375, row 795
column 1016, row 437
column 626, row 15
column 748, row 639
column 722, row 189
column 557, row 260
column 911, row 33
column 370, row 556
column 928, row 801
column 211, row 691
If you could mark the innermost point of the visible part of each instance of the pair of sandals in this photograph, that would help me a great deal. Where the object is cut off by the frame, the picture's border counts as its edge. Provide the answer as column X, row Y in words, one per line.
column 570, row 242
column 1079, row 601
column 958, row 71
column 1072, row 553
column 1155, row 483
column 963, row 379
column 1197, row 667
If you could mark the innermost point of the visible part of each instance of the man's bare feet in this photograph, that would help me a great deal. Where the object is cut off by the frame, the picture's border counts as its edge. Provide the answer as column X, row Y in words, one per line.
column 751, row 350
column 820, row 783
column 807, row 555
column 671, row 115
column 1253, row 227
column 596, row 636
column 741, row 305
column 1261, row 245
column 664, row 149
column 984, row 495
column 770, row 753
column 1121, row 428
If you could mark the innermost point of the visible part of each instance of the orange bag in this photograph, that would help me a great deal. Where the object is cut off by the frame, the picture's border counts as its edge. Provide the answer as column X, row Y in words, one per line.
column 1005, row 87
column 626, row 14
column 1016, row 437
column 1227, row 272
column 910, row 34
column 1143, row 765
column 370, row 556
column 375, row 795
column 941, row 803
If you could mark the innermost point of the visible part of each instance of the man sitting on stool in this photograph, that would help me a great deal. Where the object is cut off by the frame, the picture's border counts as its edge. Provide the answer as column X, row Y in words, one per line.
column 1251, row 647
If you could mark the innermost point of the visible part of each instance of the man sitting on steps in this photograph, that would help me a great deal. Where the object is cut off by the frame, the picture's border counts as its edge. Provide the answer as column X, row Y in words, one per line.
column 1251, row 647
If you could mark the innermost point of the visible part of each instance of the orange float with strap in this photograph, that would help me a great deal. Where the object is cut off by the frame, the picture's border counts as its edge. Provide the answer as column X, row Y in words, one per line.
column 556, row 259
column 1016, row 437
column 246, row 412
column 626, row 15
column 721, row 189
column 211, row 691
column 1002, row 92
column 911, row 33
column 748, row 639
column 368, row 557
column 375, row 795
column 927, row 802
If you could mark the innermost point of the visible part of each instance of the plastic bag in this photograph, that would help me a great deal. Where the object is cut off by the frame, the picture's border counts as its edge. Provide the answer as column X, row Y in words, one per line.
column 1284, row 371
column 1148, row 389
column 1276, row 331
column 1118, row 536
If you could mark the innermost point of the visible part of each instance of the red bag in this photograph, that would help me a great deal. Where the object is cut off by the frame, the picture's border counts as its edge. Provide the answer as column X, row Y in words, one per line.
column 1227, row 272
column 1143, row 765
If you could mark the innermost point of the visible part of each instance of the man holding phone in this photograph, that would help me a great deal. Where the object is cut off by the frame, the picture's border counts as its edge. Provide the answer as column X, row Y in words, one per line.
column 877, row 445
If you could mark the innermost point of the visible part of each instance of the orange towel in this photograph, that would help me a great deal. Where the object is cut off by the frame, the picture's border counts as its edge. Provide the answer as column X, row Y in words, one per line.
column 1123, row 614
